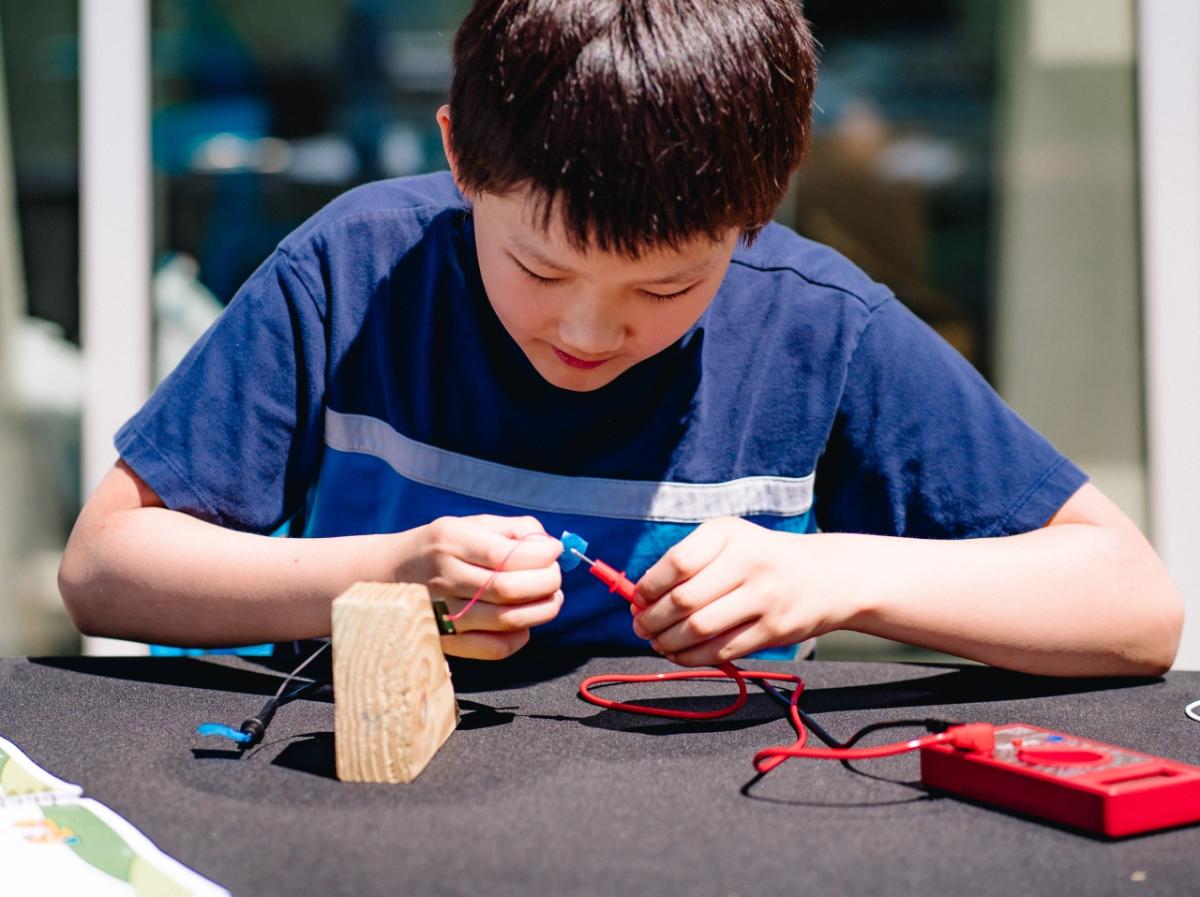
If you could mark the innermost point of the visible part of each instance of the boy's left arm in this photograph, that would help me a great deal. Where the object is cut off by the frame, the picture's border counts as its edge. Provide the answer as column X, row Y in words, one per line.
column 1085, row 595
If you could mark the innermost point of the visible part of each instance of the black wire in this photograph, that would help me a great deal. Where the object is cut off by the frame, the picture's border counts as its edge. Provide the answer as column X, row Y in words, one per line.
column 786, row 701
column 256, row 726
column 930, row 724
column 302, row 690
column 294, row 673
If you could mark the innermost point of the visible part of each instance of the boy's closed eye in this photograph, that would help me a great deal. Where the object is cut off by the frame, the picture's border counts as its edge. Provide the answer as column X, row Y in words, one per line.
column 533, row 275
column 665, row 296
column 544, row 279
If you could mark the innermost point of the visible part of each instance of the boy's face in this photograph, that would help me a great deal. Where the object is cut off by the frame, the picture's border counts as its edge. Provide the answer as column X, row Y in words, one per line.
column 583, row 318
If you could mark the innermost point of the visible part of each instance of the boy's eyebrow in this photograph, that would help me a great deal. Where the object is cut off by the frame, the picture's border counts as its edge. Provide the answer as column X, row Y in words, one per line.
column 536, row 254
column 692, row 272
column 683, row 274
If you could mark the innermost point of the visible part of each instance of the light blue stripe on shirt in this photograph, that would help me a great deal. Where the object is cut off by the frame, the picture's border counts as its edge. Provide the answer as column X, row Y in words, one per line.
column 374, row 480
column 591, row 496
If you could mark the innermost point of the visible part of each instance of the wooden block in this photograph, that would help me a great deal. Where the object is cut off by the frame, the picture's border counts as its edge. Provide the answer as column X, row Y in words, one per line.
column 393, row 700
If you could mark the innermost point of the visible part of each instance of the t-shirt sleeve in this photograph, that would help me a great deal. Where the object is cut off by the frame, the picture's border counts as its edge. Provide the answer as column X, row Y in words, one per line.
column 922, row 446
column 233, row 435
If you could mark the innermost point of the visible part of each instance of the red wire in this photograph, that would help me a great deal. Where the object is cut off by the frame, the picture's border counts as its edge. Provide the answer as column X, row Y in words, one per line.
column 724, row 671
column 504, row 563
column 766, row 759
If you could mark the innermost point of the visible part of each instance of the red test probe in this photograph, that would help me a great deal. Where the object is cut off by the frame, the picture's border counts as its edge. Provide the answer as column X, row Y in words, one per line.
column 616, row 582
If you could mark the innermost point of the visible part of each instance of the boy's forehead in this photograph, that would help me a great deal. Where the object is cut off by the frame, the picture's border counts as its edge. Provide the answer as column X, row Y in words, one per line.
column 543, row 237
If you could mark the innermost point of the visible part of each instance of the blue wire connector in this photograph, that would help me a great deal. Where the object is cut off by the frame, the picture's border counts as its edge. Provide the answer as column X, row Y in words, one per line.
column 224, row 731
column 569, row 559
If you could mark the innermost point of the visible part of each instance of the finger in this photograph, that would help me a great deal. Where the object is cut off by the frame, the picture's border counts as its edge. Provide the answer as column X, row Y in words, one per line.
column 461, row 580
column 490, row 545
column 683, row 561
column 483, row 617
column 715, row 581
column 719, row 617
column 485, row 645
column 510, row 526
column 729, row 645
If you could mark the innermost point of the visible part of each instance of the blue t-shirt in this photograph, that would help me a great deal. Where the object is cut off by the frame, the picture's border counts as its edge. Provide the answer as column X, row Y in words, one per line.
column 360, row 382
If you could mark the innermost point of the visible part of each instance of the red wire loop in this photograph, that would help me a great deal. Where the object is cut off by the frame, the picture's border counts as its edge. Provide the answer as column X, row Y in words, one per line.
column 723, row 671
column 766, row 759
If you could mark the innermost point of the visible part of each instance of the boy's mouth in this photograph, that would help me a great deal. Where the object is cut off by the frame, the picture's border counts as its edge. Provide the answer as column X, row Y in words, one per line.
column 574, row 362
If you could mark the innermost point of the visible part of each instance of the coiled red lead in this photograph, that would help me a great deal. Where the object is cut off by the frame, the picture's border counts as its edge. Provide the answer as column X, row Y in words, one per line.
column 969, row 737
column 975, row 736
column 764, row 761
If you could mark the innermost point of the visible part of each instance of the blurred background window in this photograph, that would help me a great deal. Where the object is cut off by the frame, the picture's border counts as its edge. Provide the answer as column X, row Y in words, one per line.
column 256, row 125
column 978, row 157
column 40, row 369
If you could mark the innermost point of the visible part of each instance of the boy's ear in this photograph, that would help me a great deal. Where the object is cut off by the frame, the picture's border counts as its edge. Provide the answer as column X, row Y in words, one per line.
column 443, row 120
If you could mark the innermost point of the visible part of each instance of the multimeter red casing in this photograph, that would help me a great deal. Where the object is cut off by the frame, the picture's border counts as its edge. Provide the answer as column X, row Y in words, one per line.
column 1080, row 783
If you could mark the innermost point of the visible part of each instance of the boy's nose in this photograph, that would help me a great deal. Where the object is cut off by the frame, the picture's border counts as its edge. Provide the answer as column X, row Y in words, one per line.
column 588, row 331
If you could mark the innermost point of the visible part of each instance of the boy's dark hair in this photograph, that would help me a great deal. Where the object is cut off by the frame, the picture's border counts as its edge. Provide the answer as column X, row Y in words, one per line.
column 649, row 121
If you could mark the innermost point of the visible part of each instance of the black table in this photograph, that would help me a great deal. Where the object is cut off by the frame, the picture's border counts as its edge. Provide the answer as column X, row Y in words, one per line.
column 541, row 793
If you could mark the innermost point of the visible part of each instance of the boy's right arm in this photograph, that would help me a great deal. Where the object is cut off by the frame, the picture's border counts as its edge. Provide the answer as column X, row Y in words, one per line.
column 135, row 569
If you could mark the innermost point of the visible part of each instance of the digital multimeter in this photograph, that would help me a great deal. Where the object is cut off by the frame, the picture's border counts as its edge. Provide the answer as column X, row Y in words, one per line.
column 1069, row 780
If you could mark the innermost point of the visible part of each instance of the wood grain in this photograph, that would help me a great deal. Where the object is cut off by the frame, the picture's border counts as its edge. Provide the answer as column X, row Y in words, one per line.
column 393, row 700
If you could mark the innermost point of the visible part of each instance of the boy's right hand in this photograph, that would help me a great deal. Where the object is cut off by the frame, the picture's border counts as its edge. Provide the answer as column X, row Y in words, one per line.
column 456, row 556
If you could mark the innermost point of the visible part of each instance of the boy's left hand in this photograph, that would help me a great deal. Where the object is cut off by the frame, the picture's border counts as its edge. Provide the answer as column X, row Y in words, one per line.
column 732, row 588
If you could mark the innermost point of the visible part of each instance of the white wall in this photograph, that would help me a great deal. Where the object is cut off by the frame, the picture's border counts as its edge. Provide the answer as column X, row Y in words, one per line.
column 1068, row 346
column 1169, row 33
column 115, row 229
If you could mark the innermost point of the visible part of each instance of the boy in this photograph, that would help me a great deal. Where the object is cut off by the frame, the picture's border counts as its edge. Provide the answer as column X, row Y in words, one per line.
column 590, row 325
